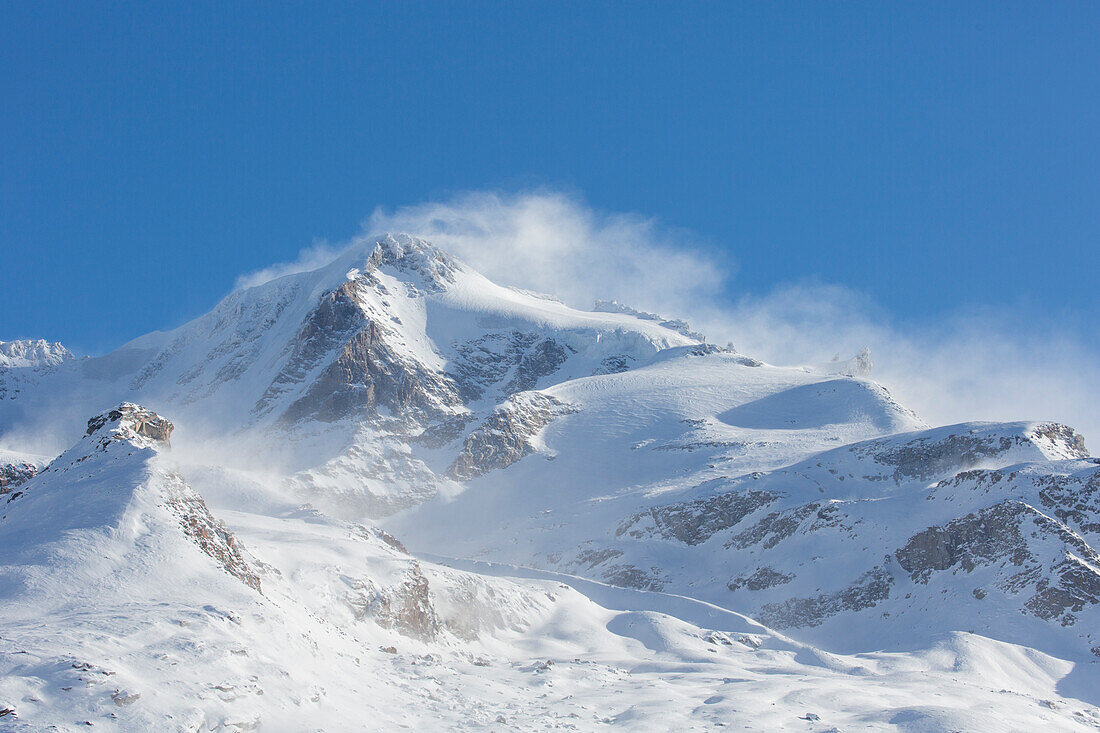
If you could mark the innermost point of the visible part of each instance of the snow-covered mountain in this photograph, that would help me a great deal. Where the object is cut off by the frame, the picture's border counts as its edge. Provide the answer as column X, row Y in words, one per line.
column 390, row 479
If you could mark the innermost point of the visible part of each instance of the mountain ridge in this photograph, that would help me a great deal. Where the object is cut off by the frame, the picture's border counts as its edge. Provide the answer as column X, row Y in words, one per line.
column 332, row 436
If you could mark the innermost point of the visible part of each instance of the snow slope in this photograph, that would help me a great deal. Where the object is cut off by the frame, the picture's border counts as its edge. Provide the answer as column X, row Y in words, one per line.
column 695, row 539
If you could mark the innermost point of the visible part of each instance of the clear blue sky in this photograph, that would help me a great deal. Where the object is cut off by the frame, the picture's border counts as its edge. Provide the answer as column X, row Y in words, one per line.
column 936, row 156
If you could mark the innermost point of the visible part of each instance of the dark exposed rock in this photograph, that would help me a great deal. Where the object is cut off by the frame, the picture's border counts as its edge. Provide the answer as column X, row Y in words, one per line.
column 928, row 458
column 543, row 359
column 15, row 474
column 484, row 363
column 778, row 526
column 1016, row 533
column 506, row 435
column 335, row 319
column 129, row 421
column 615, row 364
column 697, row 521
column 592, row 558
column 629, row 576
column 366, row 373
column 869, row 590
column 443, row 433
column 989, row 535
column 1062, row 436
column 762, row 579
column 211, row 535
column 1073, row 499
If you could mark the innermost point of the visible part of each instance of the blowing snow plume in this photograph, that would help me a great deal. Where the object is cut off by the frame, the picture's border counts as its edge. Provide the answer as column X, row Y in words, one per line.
column 966, row 365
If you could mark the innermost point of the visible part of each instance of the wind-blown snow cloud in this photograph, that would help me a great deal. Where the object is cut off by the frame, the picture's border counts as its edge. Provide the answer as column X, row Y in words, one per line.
column 971, row 366
column 553, row 243
column 311, row 258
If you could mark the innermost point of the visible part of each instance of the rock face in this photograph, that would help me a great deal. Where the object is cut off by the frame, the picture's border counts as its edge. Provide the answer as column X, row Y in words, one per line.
column 1013, row 533
column 210, row 534
column 507, row 435
column 133, row 423
column 866, row 592
column 697, row 521
column 762, row 579
column 14, row 474
column 366, row 375
column 405, row 607
column 932, row 456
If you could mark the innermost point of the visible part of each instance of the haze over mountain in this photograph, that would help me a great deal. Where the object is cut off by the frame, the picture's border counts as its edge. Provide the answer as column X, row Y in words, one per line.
column 379, row 489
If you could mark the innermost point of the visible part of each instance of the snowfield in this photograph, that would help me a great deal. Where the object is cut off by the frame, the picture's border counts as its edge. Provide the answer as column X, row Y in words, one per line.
column 391, row 494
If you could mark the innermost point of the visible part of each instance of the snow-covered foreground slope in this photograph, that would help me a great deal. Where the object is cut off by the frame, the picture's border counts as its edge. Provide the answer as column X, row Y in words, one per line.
column 127, row 605
column 692, row 537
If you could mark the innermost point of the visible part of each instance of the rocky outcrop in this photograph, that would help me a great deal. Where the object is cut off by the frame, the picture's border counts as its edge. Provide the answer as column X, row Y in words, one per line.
column 631, row 576
column 762, row 579
column 1012, row 534
column 131, row 422
column 696, row 521
column 615, row 364
column 1073, row 499
column 775, row 527
column 14, row 474
column 931, row 457
column 435, row 268
column 541, row 360
column 209, row 534
column 1059, row 441
column 870, row 589
column 481, row 366
column 365, row 372
column 506, row 436
column 406, row 608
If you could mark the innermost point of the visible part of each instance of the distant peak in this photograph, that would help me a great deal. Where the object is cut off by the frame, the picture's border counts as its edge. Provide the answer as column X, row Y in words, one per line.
column 32, row 353
column 133, row 423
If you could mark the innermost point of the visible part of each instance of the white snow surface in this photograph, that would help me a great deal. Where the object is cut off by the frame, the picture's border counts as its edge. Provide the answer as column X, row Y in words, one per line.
column 400, row 496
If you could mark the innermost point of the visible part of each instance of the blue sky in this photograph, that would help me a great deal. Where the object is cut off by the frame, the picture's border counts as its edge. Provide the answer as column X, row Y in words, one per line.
column 938, row 158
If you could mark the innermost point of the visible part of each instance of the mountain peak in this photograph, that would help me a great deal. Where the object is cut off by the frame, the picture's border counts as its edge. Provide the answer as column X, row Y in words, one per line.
column 133, row 423
column 410, row 254
column 32, row 353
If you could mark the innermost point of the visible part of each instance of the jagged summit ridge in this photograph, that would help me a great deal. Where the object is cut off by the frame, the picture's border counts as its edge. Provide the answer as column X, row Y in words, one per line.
column 32, row 353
